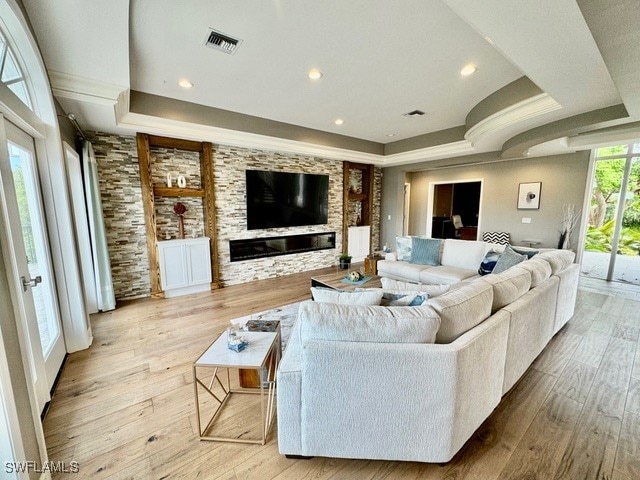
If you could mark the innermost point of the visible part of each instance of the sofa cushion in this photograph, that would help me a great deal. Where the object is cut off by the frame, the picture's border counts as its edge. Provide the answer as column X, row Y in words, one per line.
column 539, row 269
column 403, row 247
column 488, row 262
column 462, row 309
column 508, row 259
column 397, row 286
column 366, row 297
column 425, row 251
column 558, row 259
column 404, row 270
column 357, row 323
column 462, row 253
column 508, row 286
column 445, row 275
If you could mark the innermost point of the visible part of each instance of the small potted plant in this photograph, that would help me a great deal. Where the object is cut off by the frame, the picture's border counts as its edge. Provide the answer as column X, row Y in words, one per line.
column 345, row 261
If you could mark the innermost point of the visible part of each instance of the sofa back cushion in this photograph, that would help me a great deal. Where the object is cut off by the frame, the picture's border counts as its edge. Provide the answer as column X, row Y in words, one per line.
column 462, row 253
column 539, row 269
column 328, row 295
column 462, row 309
column 558, row 259
column 356, row 323
column 508, row 286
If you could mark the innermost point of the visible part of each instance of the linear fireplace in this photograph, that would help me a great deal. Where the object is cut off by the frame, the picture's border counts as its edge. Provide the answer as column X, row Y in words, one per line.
column 247, row 249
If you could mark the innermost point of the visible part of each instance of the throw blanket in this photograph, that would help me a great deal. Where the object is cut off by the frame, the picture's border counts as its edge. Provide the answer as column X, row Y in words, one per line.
column 286, row 314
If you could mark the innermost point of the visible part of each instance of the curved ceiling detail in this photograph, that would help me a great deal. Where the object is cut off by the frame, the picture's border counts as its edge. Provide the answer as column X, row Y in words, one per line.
column 512, row 93
column 519, row 145
column 512, row 115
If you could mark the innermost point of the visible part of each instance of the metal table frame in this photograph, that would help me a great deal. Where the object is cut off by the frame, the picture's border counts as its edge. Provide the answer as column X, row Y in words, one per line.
column 267, row 389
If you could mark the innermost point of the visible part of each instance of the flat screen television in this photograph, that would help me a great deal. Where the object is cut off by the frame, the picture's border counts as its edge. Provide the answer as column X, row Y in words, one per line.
column 282, row 199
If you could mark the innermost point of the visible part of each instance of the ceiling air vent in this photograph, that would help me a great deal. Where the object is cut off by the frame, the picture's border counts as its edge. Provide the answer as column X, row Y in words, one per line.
column 414, row 113
column 222, row 42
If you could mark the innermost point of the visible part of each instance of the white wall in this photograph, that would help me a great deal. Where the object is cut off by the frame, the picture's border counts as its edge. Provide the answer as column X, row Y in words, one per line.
column 563, row 180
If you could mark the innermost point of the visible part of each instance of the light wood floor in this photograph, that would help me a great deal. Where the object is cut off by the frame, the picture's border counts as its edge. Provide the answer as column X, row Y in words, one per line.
column 124, row 408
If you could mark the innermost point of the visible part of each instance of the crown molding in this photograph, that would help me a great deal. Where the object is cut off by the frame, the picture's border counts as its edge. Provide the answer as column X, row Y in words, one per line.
column 204, row 133
column 162, row 126
column 596, row 139
column 85, row 89
column 518, row 112
column 436, row 152
column 121, row 108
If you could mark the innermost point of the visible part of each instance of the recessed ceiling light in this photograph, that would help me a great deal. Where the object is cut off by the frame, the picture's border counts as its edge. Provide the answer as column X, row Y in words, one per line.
column 315, row 74
column 468, row 70
column 338, row 121
column 184, row 83
column 391, row 135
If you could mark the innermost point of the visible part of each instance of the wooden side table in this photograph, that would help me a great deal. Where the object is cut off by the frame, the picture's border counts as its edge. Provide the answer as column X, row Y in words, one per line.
column 217, row 360
column 249, row 378
column 371, row 264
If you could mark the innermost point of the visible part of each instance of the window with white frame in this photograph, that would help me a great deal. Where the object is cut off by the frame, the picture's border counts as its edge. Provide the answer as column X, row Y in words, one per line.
column 11, row 73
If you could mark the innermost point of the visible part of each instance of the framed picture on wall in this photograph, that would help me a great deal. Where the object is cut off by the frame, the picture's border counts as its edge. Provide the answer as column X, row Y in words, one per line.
column 529, row 196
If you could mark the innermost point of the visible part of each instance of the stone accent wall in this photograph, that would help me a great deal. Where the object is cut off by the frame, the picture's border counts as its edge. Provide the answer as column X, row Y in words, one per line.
column 124, row 215
column 121, row 195
column 177, row 162
column 230, row 164
column 355, row 207
column 376, row 216
column 354, row 211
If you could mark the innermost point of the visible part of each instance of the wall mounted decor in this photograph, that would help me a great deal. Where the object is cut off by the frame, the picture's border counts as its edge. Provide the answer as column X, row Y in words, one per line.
column 529, row 196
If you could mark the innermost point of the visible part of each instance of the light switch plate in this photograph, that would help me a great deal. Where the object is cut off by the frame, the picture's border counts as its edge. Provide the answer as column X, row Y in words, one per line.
column 526, row 220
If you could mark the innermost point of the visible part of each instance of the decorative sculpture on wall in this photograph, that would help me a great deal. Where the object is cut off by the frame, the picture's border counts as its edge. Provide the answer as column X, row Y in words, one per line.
column 180, row 209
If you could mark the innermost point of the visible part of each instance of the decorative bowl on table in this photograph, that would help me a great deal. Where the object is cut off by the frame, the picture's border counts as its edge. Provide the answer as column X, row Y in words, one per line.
column 355, row 276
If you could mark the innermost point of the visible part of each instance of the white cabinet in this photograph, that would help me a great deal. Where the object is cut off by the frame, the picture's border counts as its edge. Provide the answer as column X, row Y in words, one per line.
column 185, row 266
column 359, row 238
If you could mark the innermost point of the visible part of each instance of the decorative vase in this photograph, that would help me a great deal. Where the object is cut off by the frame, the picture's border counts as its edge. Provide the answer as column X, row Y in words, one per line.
column 345, row 264
column 180, row 226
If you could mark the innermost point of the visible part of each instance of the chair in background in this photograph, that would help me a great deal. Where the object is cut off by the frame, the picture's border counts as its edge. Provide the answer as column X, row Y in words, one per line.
column 501, row 238
column 457, row 224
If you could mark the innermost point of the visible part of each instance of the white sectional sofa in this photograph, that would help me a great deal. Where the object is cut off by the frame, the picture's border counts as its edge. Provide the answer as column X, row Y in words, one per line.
column 370, row 382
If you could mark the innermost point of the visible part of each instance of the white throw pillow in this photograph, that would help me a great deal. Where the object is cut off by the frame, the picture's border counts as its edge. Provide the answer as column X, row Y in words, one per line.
column 396, row 286
column 403, row 247
column 369, row 297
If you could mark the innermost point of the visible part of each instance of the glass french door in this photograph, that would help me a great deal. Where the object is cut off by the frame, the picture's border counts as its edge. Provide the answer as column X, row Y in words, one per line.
column 29, row 247
column 612, row 244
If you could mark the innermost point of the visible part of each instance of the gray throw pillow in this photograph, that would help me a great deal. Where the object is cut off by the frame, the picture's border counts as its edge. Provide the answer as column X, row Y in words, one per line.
column 529, row 253
column 508, row 259
column 407, row 299
column 425, row 251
